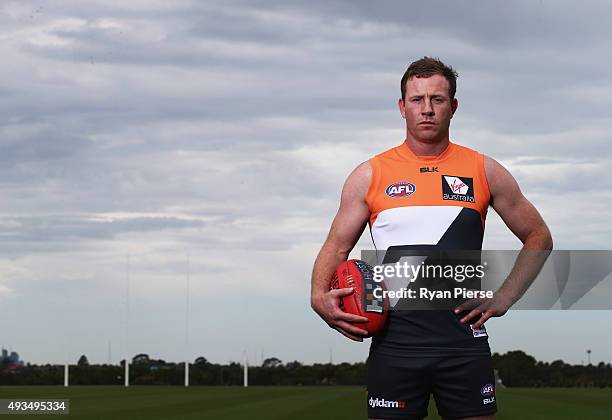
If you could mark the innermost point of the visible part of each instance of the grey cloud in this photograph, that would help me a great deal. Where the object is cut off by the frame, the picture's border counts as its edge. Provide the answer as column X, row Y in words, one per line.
column 493, row 23
column 49, row 231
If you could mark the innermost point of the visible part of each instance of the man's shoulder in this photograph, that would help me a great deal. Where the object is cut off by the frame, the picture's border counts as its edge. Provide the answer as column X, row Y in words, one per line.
column 466, row 149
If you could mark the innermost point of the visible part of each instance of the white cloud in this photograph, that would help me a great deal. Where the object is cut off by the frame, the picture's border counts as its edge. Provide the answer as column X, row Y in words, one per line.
column 5, row 291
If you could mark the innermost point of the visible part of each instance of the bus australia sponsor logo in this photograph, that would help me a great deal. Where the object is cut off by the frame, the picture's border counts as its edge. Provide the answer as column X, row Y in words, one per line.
column 488, row 391
column 458, row 188
column 381, row 402
column 400, row 189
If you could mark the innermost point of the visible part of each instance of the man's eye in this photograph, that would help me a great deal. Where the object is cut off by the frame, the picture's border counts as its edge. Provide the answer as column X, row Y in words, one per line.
column 438, row 100
column 416, row 99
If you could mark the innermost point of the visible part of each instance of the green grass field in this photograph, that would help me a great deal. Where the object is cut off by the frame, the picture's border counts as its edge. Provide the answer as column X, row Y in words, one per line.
column 295, row 403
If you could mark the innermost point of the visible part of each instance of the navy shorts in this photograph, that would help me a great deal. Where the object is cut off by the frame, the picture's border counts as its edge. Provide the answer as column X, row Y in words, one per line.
column 399, row 387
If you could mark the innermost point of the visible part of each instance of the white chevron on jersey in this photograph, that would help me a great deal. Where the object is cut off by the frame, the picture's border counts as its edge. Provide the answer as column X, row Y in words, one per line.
column 412, row 225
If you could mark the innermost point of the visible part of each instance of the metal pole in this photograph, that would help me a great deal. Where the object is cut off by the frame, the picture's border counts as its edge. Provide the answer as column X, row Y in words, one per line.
column 186, row 373
column 187, row 321
column 246, row 372
column 126, row 381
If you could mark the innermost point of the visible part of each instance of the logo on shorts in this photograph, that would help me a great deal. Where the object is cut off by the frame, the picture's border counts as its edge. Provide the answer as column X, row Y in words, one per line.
column 381, row 402
column 458, row 188
column 400, row 189
column 488, row 391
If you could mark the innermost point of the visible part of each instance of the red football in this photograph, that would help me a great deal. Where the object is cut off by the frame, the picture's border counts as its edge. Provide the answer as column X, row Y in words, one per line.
column 360, row 275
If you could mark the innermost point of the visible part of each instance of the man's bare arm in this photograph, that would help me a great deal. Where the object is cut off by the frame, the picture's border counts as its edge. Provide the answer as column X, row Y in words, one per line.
column 345, row 231
column 525, row 222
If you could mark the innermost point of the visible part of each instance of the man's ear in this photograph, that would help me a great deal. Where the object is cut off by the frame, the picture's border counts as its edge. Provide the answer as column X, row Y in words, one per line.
column 454, row 105
column 400, row 104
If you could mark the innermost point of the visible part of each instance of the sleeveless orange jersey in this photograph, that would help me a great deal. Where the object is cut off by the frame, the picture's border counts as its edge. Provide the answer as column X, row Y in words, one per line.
column 428, row 202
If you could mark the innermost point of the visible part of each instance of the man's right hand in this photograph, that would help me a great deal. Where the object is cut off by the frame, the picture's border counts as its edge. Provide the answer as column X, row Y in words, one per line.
column 327, row 305
column 349, row 223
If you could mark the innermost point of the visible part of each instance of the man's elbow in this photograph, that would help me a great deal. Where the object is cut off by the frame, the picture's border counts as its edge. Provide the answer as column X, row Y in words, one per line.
column 539, row 239
column 549, row 242
column 543, row 239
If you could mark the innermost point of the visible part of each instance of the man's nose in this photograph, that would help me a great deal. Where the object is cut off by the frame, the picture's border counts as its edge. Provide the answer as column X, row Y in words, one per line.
column 427, row 109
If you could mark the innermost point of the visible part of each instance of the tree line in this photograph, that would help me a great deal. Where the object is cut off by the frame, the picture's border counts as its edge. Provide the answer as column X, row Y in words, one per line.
column 515, row 369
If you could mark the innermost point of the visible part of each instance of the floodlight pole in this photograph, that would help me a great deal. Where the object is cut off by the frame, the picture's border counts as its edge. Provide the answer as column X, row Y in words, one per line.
column 246, row 372
column 186, row 373
column 66, row 375
column 187, row 321
column 126, row 379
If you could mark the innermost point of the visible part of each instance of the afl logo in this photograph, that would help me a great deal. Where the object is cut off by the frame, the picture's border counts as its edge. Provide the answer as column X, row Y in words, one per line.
column 400, row 189
column 487, row 390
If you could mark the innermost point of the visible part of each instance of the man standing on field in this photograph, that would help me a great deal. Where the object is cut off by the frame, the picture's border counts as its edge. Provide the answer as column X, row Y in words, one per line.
column 446, row 190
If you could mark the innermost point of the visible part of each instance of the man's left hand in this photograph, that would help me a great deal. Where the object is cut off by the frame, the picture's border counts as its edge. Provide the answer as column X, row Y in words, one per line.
column 496, row 306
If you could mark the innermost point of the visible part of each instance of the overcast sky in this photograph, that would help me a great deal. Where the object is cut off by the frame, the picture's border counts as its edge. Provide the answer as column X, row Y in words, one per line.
column 209, row 140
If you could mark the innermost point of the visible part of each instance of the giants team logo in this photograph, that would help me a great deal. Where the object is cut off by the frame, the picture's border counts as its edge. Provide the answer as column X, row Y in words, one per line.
column 479, row 332
column 458, row 188
column 400, row 189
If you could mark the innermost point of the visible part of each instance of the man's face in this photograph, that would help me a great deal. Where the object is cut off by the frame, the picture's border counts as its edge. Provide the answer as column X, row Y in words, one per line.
column 427, row 108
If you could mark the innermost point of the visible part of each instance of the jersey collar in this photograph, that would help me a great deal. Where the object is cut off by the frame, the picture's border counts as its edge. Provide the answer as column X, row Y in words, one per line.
column 404, row 151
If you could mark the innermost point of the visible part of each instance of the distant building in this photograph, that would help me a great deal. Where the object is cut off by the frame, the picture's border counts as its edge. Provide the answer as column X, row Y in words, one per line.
column 11, row 359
